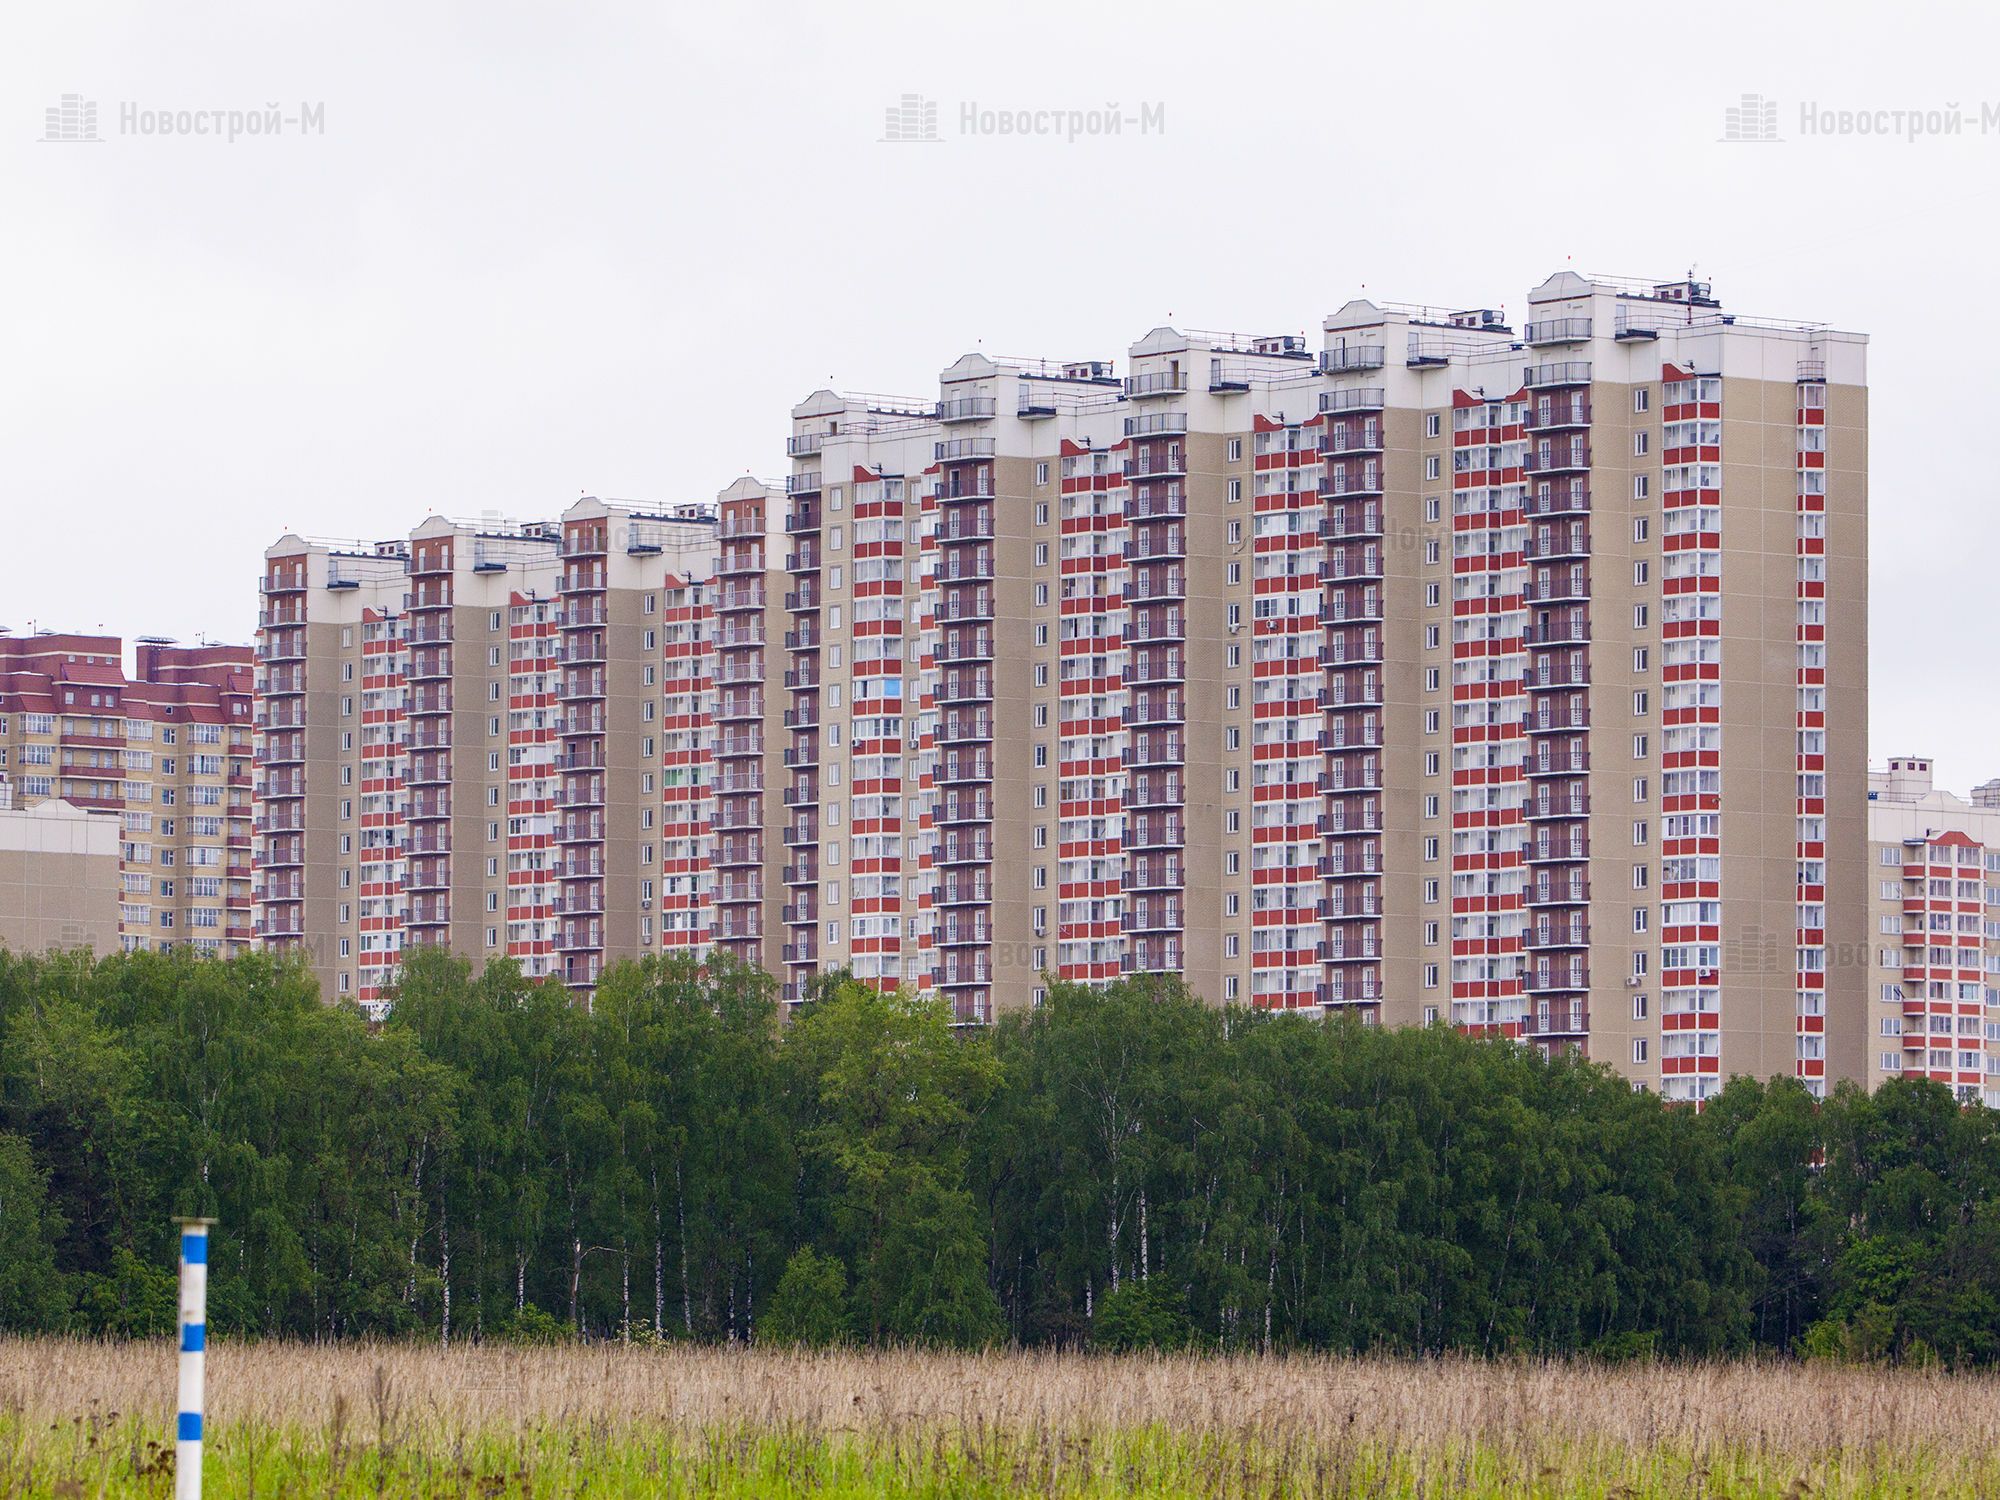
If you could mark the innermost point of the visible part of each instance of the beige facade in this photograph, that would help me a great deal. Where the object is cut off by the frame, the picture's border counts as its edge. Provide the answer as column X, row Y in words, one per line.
column 1451, row 671
column 460, row 742
column 59, row 877
column 165, row 748
column 1931, row 954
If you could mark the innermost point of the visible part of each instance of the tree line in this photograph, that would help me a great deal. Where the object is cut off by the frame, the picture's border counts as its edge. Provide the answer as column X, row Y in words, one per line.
column 1120, row 1168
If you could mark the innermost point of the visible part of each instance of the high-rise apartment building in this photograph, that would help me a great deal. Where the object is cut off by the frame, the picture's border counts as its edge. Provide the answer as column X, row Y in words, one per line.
column 1934, row 937
column 459, row 742
column 165, row 747
column 1449, row 670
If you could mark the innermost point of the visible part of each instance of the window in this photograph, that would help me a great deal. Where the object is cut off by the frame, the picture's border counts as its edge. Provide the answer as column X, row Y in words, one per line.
column 1235, row 491
column 1641, row 571
column 1433, row 466
column 1640, row 527
column 1235, row 450
column 1640, row 615
column 1639, row 441
column 1638, row 1007
column 1639, row 486
column 1640, row 704
column 1640, row 658
column 1641, row 877
column 1042, row 477
column 1638, row 1049
column 1430, row 976
column 1641, row 831
column 1641, row 747
column 1433, row 507
column 1433, row 637
column 1433, row 424
column 1432, row 594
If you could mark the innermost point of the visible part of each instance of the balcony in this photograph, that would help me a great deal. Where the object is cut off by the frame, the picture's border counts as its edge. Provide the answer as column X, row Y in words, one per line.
column 1558, row 458
column 804, row 444
column 1561, row 372
column 1558, row 851
column 1351, row 522
column 1156, row 383
column 1557, row 331
column 958, row 450
column 1343, row 479
column 966, row 409
column 1556, row 981
column 1566, row 586
column 1558, row 893
column 1558, row 544
column 1360, row 398
column 1351, row 357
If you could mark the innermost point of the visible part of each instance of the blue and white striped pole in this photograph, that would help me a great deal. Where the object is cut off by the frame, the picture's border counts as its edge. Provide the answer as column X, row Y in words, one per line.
column 194, row 1345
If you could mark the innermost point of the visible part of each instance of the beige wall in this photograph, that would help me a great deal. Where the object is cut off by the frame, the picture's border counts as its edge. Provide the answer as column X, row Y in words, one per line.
column 58, row 879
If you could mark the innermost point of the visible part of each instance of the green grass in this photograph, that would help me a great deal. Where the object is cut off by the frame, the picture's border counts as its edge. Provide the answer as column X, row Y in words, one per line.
column 93, row 1456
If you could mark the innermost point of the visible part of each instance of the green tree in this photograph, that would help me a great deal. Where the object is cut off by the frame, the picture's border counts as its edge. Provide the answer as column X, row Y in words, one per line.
column 809, row 1307
column 32, row 1295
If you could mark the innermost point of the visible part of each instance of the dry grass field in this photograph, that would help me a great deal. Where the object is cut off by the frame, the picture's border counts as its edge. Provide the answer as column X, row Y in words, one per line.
column 86, row 1419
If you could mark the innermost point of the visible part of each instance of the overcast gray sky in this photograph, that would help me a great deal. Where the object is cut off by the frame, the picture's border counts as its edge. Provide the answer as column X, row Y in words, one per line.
column 539, row 250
